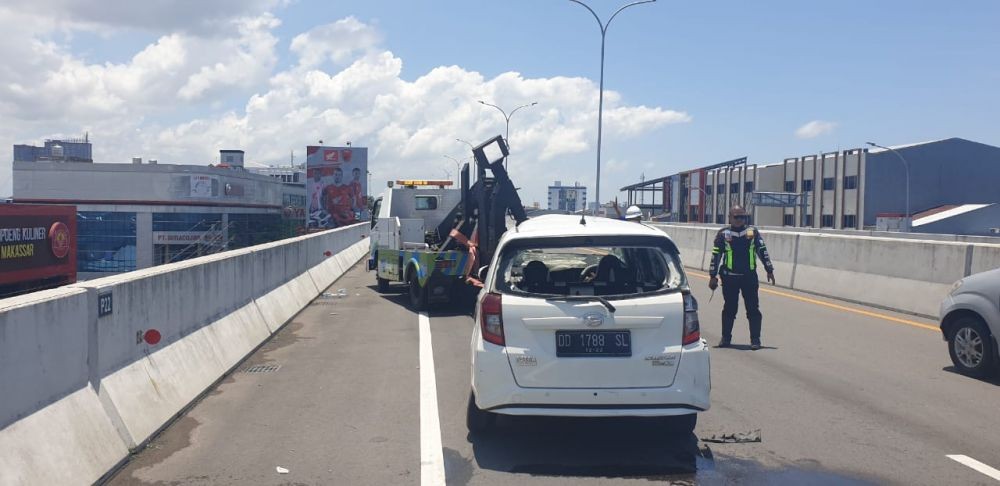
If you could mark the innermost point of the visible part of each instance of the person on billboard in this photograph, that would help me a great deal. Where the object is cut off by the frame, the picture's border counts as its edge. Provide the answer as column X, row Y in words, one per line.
column 357, row 193
column 337, row 200
column 315, row 187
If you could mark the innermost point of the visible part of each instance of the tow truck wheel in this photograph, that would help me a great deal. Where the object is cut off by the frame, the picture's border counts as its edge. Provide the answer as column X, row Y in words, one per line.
column 418, row 294
column 383, row 285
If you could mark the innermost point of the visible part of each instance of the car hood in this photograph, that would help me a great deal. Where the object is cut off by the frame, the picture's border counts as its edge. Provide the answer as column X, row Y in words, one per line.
column 986, row 283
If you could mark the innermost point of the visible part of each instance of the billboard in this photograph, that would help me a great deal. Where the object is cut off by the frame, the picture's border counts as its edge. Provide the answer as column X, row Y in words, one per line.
column 335, row 186
column 37, row 243
column 201, row 186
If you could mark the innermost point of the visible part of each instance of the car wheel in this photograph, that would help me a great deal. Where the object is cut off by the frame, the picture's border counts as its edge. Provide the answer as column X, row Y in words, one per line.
column 478, row 421
column 971, row 347
column 681, row 424
column 383, row 284
column 418, row 294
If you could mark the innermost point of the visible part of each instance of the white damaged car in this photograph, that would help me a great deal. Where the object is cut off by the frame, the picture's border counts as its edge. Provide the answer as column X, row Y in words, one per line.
column 587, row 317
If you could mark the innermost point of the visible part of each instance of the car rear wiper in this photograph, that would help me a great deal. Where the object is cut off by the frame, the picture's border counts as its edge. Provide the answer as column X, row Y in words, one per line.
column 570, row 298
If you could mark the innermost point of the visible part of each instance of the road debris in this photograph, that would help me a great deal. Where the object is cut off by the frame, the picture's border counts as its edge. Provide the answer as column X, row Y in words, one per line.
column 738, row 438
column 281, row 470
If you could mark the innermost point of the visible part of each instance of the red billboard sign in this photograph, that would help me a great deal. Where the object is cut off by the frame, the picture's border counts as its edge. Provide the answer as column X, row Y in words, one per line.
column 37, row 242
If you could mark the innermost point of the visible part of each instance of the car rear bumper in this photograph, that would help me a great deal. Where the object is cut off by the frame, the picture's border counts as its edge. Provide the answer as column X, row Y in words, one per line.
column 496, row 391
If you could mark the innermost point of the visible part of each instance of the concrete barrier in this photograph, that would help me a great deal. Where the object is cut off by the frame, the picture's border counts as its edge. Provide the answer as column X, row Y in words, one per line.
column 81, row 389
column 53, row 427
column 904, row 274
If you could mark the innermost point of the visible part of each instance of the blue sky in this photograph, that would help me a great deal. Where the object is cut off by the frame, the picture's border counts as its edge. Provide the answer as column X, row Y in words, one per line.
column 747, row 75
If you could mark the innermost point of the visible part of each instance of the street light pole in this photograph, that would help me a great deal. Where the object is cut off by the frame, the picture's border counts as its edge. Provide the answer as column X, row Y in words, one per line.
column 600, row 104
column 474, row 173
column 507, row 117
column 458, row 168
column 906, row 165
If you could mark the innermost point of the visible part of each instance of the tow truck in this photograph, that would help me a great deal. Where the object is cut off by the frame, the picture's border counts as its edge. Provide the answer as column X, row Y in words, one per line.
column 434, row 239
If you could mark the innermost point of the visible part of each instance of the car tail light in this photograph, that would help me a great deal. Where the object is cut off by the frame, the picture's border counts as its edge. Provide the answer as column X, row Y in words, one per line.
column 692, row 330
column 491, row 318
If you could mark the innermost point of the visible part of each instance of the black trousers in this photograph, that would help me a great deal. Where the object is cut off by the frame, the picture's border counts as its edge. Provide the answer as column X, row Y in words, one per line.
column 732, row 286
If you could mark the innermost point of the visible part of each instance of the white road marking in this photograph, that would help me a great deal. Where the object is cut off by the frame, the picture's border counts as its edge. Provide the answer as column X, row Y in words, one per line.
column 974, row 464
column 431, row 455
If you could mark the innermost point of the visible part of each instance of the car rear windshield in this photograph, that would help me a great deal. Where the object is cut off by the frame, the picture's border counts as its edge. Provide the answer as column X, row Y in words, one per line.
column 617, row 267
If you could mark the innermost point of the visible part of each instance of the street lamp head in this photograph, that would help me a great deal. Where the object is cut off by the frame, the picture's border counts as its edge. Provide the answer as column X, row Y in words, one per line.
column 481, row 102
column 533, row 103
column 871, row 143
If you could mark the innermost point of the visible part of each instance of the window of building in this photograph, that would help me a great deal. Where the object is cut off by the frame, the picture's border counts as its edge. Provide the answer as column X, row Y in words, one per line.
column 721, row 189
column 708, row 190
column 828, row 183
column 851, row 182
column 789, row 186
column 748, row 186
column 808, row 220
column 807, row 185
column 850, row 221
column 426, row 203
column 720, row 219
column 789, row 220
column 826, row 221
column 293, row 200
column 189, row 222
column 734, row 188
column 255, row 228
column 105, row 242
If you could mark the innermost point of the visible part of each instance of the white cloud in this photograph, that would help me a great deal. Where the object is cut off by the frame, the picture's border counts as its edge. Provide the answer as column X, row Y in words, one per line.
column 191, row 16
column 815, row 128
column 337, row 42
column 407, row 124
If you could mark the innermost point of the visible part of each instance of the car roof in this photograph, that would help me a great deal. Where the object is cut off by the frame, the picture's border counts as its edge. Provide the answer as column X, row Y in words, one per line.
column 555, row 225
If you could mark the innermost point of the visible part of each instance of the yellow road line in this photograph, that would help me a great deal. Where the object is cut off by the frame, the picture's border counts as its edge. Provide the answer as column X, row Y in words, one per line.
column 841, row 307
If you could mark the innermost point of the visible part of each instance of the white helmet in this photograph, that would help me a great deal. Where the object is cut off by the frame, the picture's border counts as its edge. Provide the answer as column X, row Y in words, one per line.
column 633, row 213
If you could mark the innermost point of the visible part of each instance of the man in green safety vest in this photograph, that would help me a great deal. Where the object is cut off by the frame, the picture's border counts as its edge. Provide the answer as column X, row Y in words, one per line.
column 734, row 258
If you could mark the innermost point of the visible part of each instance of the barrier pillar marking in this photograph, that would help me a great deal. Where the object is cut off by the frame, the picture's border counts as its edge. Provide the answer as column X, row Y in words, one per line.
column 795, row 262
column 968, row 260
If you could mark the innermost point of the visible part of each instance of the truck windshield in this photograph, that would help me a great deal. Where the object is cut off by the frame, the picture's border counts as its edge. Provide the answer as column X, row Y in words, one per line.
column 568, row 270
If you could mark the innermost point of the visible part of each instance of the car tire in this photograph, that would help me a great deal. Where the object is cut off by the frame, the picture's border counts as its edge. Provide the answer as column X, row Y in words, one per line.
column 971, row 347
column 418, row 294
column 478, row 421
column 383, row 285
column 680, row 424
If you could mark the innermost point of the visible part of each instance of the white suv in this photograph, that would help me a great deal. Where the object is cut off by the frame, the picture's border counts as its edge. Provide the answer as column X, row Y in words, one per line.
column 587, row 317
column 970, row 322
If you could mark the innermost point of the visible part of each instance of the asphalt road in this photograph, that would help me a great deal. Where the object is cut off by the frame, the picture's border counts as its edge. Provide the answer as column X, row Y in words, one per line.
column 841, row 394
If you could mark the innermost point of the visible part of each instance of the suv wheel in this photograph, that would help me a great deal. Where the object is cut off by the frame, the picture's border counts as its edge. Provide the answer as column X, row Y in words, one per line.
column 478, row 421
column 971, row 347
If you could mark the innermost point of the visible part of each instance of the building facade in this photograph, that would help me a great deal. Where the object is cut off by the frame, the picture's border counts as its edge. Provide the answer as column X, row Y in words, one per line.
column 848, row 189
column 70, row 150
column 567, row 198
column 133, row 216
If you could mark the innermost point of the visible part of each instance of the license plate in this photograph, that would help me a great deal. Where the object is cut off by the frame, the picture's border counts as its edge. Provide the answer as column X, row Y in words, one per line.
column 576, row 344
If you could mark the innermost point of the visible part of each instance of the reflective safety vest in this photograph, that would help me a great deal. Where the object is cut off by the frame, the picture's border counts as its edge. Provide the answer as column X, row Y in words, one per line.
column 729, row 235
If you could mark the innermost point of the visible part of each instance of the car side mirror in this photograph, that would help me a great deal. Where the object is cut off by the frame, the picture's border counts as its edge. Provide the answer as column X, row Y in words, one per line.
column 483, row 272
